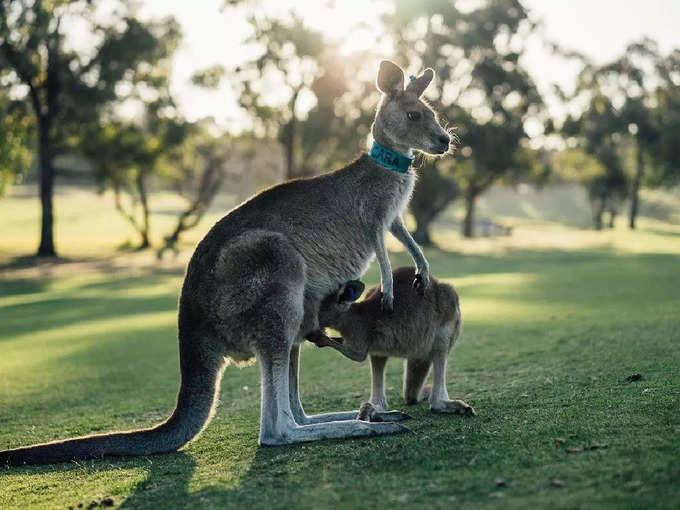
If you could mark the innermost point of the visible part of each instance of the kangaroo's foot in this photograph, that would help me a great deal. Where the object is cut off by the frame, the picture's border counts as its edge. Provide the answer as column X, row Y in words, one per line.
column 332, row 430
column 369, row 412
column 452, row 407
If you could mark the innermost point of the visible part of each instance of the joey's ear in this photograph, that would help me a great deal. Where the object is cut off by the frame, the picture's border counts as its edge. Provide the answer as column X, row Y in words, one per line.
column 350, row 291
column 390, row 78
column 418, row 85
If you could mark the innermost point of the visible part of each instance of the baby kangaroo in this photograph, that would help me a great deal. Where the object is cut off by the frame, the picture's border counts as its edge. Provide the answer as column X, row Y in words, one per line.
column 422, row 329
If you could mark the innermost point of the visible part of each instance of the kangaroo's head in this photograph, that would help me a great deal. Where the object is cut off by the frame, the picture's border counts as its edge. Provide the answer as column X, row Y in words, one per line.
column 337, row 304
column 403, row 121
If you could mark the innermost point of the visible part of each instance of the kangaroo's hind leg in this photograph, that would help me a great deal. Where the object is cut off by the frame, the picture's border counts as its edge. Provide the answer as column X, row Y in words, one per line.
column 439, row 398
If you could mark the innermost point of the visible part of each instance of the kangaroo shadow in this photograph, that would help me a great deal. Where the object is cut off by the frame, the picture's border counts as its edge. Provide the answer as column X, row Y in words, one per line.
column 261, row 475
column 267, row 479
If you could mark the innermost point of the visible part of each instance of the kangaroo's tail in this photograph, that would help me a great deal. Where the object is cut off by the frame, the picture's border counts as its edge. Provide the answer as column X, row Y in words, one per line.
column 201, row 372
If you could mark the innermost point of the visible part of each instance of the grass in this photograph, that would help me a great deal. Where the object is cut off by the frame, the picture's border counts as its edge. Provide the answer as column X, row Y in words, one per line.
column 555, row 319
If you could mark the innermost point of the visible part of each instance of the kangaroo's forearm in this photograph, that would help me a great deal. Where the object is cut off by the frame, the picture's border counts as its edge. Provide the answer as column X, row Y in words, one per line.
column 402, row 234
column 385, row 266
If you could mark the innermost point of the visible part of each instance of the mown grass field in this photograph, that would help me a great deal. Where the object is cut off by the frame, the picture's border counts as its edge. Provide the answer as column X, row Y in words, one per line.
column 555, row 319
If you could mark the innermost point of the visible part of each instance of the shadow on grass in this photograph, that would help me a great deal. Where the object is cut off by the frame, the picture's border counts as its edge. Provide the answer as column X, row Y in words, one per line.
column 65, row 311
column 21, row 286
column 268, row 476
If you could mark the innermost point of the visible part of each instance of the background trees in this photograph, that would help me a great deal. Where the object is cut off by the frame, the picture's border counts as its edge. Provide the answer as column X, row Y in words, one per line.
column 481, row 86
column 67, row 88
column 302, row 92
column 312, row 99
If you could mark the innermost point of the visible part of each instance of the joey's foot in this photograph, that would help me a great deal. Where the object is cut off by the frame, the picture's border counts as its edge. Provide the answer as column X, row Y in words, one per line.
column 387, row 303
column 368, row 412
column 452, row 407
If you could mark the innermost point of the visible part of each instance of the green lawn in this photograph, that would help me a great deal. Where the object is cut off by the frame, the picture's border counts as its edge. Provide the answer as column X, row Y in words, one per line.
column 555, row 319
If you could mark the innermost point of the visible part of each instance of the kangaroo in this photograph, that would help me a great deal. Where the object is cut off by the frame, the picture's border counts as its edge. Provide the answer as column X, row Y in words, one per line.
column 422, row 329
column 254, row 284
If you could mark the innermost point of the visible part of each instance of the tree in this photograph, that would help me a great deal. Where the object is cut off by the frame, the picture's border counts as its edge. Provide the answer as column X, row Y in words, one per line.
column 665, row 151
column 288, row 64
column 125, row 156
column 195, row 170
column 301, row 91
column 481, row 86
column 630, row 79
column 598, row 132
column 434, row 191
column 68, row 89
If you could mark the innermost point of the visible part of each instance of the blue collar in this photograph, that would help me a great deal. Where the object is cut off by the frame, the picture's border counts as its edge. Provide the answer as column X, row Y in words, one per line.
column 389, row 159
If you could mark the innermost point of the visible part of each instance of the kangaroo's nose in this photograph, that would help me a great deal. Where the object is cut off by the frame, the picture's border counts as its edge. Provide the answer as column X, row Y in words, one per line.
column 444, row 139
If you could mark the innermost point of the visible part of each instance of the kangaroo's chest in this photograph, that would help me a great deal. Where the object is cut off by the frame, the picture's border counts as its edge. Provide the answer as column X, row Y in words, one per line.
column 344, row 248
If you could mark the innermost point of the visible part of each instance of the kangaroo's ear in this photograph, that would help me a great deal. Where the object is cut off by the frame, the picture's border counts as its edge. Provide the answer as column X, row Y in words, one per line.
column 418, row 85
column 350, row 291
column 390, row 78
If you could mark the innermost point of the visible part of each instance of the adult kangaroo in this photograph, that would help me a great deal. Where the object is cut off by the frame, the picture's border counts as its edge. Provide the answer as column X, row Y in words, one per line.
column 255, row 282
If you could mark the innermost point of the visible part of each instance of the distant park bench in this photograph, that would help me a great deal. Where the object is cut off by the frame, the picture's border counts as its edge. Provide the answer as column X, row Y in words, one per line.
column 489, row 228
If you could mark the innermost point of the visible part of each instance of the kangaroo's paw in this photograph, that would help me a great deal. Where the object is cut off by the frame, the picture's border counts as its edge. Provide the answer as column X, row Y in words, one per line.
column 387, row 303
column 452, row 407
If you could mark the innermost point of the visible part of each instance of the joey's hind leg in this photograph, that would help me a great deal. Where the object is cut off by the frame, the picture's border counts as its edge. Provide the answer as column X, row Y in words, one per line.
column 376, row 409
column 378, row 397
column 439, row 398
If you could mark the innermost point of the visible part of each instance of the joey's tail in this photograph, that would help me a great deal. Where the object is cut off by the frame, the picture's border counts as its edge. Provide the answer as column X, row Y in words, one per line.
column 200, row 373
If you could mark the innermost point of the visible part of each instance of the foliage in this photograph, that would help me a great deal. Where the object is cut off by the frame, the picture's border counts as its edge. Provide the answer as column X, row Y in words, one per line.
column 665, row 152
column 599, row 130
column 15, row 141
column 302, row 92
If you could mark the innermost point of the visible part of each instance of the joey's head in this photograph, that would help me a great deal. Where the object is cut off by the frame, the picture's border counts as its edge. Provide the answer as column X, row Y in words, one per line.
column 403, row 121
column 335, row 306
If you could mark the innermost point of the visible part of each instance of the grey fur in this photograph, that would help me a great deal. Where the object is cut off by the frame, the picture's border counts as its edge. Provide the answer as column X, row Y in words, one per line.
column 255, row 282
column 422, row 329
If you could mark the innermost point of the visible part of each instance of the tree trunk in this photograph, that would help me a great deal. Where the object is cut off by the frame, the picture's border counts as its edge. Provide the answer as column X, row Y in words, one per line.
column 143, row 198
column 637, row 181
column 46, row 248
column 469, row 222
column 422, row 232
column 612, row 219
column 288, row 140
column 598, row 211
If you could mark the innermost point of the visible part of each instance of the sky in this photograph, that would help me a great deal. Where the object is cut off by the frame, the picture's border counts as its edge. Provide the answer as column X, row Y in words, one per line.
column 601, row 29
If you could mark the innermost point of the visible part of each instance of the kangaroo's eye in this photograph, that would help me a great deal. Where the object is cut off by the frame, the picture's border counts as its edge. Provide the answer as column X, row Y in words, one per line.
column 413, row 115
